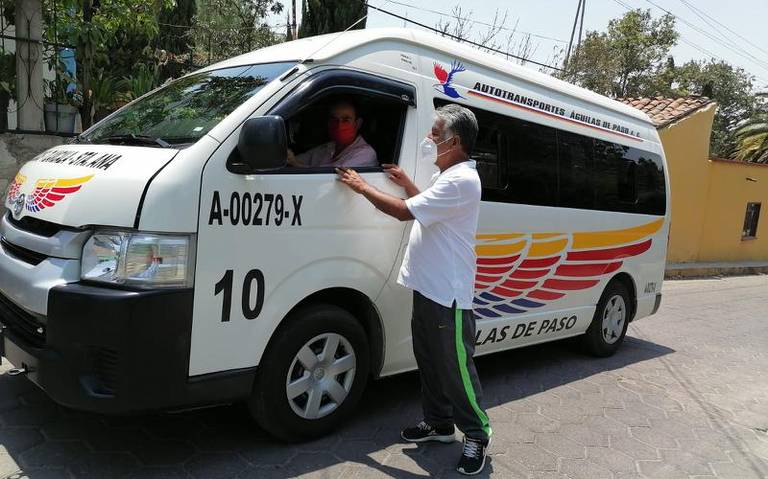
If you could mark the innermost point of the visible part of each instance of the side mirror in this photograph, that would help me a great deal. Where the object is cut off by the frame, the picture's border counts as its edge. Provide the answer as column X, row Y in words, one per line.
column 262, row 146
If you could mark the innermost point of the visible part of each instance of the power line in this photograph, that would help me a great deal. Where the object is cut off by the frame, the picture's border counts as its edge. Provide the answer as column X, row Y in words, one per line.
column 477, row 22
column 457, row 38
column 723, row 25
column 694, row 45
column 739, row 51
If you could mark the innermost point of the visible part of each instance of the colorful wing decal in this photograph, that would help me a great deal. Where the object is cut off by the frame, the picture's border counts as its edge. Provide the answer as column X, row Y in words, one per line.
column 48, row 192
column 14, row 187
column 519, row 272
column 456, row 67
column 440, row 73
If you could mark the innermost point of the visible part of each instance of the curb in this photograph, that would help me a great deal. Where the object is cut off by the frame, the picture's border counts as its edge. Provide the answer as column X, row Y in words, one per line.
column 703, row 270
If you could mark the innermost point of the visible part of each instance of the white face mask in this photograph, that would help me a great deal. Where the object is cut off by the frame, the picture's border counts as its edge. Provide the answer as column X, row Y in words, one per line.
column 428, row 150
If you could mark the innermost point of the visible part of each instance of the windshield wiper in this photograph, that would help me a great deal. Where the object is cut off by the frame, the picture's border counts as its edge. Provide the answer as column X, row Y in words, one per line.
column 136, row 140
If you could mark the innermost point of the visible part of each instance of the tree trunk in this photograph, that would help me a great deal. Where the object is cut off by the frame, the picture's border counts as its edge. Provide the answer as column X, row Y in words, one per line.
column 84, row 54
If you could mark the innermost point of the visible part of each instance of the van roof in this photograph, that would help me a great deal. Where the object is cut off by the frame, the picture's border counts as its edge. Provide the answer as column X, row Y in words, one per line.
column 324, row 47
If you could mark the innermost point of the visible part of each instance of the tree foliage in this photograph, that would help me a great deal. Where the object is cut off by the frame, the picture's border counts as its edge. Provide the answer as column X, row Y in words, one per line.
column 226, row 28
column 730, row 87
column 327, row 16
column 627, row 59
column 98, row 29
column 632, row 59
column 752, row 135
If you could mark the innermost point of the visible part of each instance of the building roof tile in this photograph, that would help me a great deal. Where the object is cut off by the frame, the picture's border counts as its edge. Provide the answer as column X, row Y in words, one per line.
column 664, row 111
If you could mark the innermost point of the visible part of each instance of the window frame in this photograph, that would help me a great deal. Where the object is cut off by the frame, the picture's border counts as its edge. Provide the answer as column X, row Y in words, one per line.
column 747, row 217
column 507, row 156
column 338, row 81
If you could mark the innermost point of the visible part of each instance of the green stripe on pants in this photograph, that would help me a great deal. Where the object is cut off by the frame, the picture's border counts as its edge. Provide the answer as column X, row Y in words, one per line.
column 461, row 353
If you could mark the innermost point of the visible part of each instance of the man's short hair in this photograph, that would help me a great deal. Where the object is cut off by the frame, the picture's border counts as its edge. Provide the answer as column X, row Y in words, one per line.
column 461, row 122
column 346, row 102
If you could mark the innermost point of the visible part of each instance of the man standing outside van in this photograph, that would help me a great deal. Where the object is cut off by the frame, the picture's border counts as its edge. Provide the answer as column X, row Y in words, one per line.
column 439, row 266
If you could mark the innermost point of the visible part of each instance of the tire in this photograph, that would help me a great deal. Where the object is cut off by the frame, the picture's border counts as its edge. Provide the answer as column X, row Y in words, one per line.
column 312, row 331
column 609, row 325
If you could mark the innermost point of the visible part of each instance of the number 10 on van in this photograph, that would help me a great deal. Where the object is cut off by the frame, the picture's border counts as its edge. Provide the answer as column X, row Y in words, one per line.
column 225, row 286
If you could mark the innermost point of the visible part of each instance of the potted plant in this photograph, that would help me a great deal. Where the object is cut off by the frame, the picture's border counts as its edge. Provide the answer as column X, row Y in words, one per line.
column 61, row 105
column 144, row 80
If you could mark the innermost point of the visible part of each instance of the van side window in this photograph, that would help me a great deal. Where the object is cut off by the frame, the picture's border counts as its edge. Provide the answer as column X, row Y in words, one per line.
column 381, row 122
column 576, row 171
column 487, row 152
column 344, row 118
column 543, row 166
column 532, row 164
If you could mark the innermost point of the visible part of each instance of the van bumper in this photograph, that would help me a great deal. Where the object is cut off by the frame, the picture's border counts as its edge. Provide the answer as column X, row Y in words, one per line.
column 114, row 351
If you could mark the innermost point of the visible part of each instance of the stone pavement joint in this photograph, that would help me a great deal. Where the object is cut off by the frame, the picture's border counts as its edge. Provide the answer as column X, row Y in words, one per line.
column 686, row 396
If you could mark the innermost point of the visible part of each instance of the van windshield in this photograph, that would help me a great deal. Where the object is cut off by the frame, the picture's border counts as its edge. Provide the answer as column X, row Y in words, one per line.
column 187, row 108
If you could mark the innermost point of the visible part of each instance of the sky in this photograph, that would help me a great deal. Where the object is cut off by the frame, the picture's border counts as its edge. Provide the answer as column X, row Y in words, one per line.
column 734, row 31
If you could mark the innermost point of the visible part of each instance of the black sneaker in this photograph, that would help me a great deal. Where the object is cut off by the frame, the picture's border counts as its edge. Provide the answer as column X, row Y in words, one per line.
column 423, row 432
column 473, row 458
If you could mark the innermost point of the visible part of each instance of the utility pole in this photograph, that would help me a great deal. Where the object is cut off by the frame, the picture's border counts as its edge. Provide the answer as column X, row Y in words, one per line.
column 293, row 22
column 581, row 22
column 579, row 12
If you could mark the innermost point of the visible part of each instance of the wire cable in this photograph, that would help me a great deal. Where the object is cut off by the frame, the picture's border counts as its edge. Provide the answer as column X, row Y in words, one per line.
column 454, row 37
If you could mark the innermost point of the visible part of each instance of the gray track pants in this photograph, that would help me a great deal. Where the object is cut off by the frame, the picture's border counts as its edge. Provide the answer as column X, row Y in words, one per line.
column 444, row 342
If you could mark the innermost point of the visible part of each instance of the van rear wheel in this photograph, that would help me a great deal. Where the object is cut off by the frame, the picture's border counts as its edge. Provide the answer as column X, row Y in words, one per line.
column 609, row 324
column 312, row 375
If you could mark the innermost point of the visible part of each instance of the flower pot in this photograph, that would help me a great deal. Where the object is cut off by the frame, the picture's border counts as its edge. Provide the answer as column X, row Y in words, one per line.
column 60, row 118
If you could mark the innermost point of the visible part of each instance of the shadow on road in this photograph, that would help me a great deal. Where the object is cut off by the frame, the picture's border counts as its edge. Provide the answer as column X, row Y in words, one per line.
column 46, row 440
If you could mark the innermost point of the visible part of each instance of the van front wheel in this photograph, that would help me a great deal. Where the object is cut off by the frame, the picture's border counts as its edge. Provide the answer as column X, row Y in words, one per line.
column 609, row 325
column 312, row 374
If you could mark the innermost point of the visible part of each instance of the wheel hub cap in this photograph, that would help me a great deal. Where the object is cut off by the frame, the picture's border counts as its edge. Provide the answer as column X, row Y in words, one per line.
column 614, row 316
column 321, row 376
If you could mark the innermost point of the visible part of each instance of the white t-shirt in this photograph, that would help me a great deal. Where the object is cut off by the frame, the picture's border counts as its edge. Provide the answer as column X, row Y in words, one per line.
column 440, row 261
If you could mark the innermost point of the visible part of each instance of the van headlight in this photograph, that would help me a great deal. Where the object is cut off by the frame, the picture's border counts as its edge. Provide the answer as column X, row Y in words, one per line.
column 137, row 259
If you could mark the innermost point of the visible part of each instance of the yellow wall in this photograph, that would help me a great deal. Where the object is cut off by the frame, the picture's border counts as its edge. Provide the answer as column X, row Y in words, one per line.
column 686, row 146
column 709, row 197
column 729, row 193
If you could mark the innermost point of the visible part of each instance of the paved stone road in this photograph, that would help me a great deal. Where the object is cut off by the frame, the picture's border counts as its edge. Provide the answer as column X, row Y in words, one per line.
column 687, row 396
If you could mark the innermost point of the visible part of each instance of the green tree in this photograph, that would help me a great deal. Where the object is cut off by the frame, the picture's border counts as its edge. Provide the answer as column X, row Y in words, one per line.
column 627, row 59
column 91, row 26
column 328, row 16
column 751, row 137
column 225, row 28
column 632, row 58
column 175, row 35
column 730, row 87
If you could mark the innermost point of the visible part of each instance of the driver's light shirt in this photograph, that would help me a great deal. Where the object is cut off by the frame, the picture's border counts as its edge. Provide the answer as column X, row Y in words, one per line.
column 440, row 260
column 358, row 154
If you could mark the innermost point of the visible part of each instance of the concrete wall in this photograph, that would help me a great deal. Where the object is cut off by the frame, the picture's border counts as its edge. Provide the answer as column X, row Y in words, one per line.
column 709, row 197
column 17, row 149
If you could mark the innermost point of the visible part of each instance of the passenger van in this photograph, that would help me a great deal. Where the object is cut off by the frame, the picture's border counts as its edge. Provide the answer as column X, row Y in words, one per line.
column 169, row 257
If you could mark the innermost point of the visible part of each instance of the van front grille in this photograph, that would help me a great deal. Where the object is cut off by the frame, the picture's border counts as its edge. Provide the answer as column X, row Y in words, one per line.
column 34, row 225
column 28, row 256
column 105, row 363
column 21, row 322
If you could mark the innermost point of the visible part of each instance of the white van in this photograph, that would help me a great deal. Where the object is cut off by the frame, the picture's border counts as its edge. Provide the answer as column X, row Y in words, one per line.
column 169, row 258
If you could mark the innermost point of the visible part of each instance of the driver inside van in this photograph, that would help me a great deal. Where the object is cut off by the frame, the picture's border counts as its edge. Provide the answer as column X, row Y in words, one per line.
column 347, row 147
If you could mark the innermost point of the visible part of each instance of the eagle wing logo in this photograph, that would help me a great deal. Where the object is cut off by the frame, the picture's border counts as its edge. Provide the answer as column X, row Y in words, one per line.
column 14, row 187
column 446, row 78
column 519, row 272
column 49, row 191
